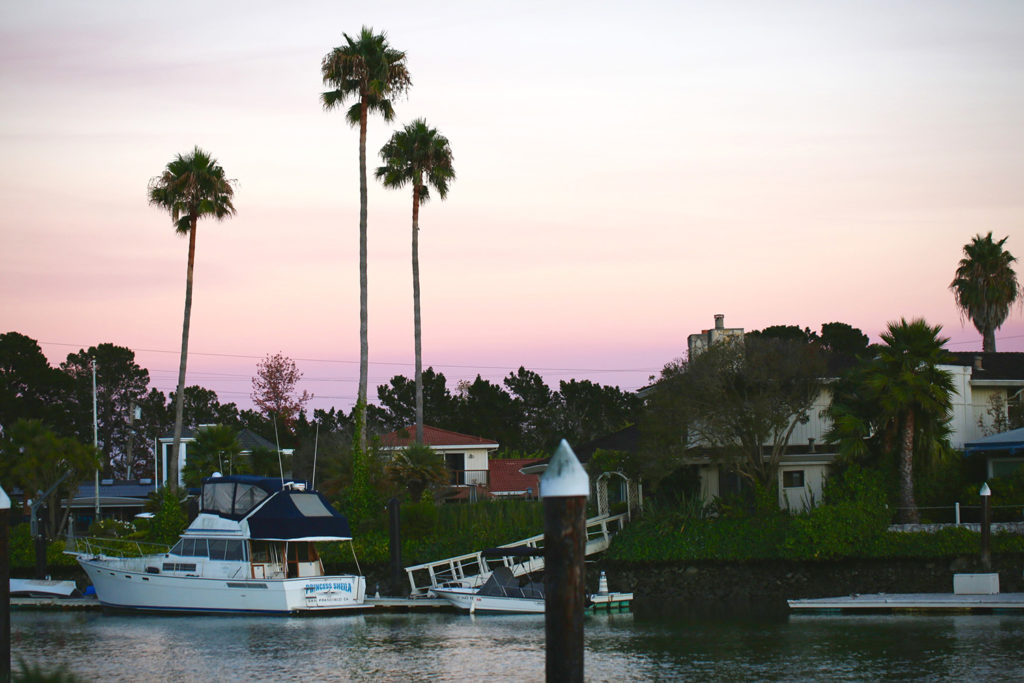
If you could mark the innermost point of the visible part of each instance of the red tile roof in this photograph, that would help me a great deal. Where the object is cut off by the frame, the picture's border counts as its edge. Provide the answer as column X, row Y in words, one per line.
column 505, row 475
column 432, row 436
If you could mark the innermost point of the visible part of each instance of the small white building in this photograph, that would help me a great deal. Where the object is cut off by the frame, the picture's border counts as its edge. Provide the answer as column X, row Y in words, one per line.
column 247, row 439
column 465, row 456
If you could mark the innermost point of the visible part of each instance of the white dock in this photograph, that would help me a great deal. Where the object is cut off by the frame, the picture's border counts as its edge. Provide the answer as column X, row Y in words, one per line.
column 911, row 602
column 472, row 569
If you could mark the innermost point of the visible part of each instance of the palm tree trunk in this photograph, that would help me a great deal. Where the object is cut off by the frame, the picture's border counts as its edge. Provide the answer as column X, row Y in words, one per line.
column 179, row 397
column 908, row 507
column 417, row 330
column 988, row 343
column 364, row 344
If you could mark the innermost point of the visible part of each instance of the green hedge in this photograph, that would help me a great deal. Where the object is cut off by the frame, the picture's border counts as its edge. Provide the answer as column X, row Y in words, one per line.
column 852, row 523
column 822, row 537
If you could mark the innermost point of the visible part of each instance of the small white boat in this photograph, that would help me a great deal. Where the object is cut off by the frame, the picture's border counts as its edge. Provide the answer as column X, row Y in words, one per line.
column 251, row 549
column 43, row 588
column 502, row 592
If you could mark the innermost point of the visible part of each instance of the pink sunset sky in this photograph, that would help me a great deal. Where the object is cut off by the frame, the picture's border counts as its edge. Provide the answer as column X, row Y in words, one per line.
column 625, row 171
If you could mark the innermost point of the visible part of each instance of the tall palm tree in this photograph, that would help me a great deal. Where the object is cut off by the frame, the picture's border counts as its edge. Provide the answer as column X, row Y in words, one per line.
column 420, row 156
column 985, row 286
column 367, row 70
column 192, row 186
column 912, row 392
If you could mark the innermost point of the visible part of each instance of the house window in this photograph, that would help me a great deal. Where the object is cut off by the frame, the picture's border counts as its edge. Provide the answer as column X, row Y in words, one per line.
column 1004, row 467
column 456, row 464
column 793, row 479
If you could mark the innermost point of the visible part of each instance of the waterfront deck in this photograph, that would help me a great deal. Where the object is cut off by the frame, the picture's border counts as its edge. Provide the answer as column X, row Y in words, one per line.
column 911, row 602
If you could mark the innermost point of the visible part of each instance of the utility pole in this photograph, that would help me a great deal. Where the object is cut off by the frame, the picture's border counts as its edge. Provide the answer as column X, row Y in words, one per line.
column 95, row 442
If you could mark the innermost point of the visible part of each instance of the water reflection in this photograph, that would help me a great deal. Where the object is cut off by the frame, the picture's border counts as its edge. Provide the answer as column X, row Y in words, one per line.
column 620, row 647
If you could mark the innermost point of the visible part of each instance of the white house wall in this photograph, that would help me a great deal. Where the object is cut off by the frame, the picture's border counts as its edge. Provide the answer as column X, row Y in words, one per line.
column 818, row 423
column 810, row 494
column 962, row 419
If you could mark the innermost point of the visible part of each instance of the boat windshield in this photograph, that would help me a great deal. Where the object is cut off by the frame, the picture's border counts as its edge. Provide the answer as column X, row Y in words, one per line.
column 230, row 498
column 214, row 548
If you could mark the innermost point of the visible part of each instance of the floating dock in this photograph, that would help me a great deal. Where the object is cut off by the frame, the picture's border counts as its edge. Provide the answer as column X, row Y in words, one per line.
column 911, row 602
column 604, row 603
column 610, row 602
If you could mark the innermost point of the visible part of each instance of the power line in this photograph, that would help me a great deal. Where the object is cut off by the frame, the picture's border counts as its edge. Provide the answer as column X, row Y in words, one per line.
column 387, row 363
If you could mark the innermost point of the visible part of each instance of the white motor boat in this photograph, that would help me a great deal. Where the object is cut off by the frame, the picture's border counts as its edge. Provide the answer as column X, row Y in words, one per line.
column 502, row 592
column 251, row 549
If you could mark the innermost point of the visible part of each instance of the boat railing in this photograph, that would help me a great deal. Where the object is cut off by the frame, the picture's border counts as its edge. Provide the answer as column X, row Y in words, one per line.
column 121, row 548
column 472, row 569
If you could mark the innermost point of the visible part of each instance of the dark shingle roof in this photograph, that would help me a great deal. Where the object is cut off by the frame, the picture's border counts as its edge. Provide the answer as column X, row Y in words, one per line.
column 994, row 365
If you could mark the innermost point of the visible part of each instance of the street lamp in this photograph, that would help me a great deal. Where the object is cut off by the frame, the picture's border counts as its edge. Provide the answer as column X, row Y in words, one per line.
column 986, row 527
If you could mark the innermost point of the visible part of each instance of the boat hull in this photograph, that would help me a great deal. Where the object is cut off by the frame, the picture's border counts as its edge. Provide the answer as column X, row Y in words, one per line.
column 468, row 599
column 119, row 587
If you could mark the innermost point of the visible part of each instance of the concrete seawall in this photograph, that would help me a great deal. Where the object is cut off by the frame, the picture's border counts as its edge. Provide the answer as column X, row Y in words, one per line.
column 708, row 588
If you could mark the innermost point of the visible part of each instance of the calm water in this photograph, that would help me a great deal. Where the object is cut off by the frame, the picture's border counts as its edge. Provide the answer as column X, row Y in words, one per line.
column 619, row 647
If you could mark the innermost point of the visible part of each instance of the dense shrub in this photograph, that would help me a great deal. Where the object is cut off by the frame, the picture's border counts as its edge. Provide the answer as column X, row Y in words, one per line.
column 852, row 523
column 23, row 550
column 433, row 532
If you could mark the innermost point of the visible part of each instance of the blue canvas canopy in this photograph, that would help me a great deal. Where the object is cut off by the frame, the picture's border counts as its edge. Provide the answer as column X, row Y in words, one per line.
column 298, row 516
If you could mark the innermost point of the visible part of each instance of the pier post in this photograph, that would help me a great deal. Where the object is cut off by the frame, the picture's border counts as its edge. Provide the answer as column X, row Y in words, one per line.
column 986, row 527
column 5, row 587
column 564, row 488
column 395, row 527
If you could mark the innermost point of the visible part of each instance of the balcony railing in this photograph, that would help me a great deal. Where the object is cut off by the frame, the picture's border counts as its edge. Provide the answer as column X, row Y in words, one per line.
column 468, row 477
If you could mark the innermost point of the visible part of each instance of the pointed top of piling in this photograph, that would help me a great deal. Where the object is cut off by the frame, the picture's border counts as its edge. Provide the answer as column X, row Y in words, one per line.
column 565, row 476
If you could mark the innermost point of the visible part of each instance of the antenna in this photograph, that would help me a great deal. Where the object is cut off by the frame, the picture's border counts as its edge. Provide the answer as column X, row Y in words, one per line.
column 280, row 466
column 316, row 442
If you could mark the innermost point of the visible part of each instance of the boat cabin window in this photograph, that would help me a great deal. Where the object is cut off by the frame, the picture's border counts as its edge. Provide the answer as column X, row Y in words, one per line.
column 227, row 549
column 266, row 552
column 195, row 547
column 231, row 498
column 302, row 552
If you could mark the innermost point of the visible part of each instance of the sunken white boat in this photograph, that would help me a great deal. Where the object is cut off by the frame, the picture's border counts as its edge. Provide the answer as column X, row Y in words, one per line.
column 251, row 549
column 502, row 592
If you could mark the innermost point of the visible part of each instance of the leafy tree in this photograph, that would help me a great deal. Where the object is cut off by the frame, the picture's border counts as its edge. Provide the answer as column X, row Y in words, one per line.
column 368, row 70
column 154, row 420
column 34, row 458
column 986, row 286
column 191, row 187
column 416, row 467
column 786, row 332
column 399, row 399
column 170, row 518
column 29, row 387
column 216, row 448
column 265, row 462
column 843, row 339
column 486, row 409
column 912, row 391
column 274, row 389
column 202, row 407
column 738, row 402
column 419, row 156
column 534, row 409
column 588, row 410
column 120, row 385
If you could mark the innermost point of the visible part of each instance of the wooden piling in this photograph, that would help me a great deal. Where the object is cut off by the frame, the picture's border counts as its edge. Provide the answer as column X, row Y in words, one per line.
column 395, row 527
column 564, row 487
column 5, row 587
